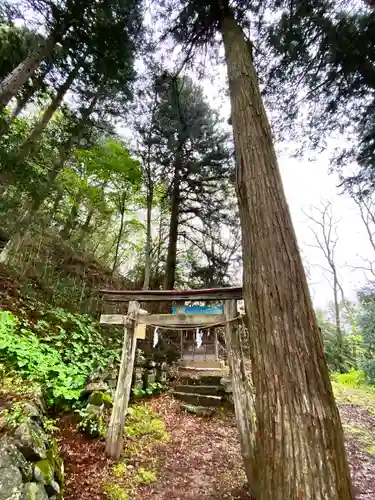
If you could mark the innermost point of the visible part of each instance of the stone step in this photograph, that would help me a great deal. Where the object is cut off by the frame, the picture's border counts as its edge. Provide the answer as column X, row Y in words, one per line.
column 206, row 364
column 210, row 390
column 200, row 379
column 198, row 399
column 200, row 411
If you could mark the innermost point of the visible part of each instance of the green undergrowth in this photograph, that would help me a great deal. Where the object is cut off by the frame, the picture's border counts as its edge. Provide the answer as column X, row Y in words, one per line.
column 144, row 423
column 360, row 396
column 115, row 492
column 350, row 389
column 13, row 385
column 145, row 433
column 56, row 349
column 362, row 436
column 354, row 378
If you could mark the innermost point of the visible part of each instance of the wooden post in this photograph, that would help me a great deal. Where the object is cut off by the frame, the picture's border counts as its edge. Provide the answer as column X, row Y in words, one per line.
column 182, row 344
column 240, row 369
column 115, row 433
column 216, row 345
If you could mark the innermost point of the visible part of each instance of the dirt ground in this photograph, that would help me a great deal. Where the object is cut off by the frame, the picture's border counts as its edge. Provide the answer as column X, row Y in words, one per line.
column 201, row 459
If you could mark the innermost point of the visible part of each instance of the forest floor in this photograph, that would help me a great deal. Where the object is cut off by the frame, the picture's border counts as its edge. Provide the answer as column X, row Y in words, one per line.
column 178, row 456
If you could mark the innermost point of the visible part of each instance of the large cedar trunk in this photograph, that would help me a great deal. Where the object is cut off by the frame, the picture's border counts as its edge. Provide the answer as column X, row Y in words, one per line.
column 14, row 81
column 299, row 444
column 170, row 269
column 32, row 142
column 29, row 93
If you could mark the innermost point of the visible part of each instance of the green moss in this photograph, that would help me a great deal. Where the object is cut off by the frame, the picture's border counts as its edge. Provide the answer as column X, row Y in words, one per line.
column 144, row 476
column 143, row 422
column 45, row 469
column 361, row 396
column 115, row 492
column 119, row 470
column 107, row 399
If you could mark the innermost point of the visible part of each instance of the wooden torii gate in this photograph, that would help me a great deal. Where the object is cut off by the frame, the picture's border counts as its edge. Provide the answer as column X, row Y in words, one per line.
column 135, row 322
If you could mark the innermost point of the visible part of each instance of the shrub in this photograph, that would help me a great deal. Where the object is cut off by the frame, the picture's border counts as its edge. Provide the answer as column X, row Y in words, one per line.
column 354, row 378
column 115, row 492
column 369, row 370
column 58, row 354
column 145, row 476
column 142, row 422
column 92, row 421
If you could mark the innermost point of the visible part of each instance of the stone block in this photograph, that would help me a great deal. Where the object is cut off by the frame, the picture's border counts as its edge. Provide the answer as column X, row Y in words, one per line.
column 11, row 456
column 35, row 491
column 11, row 485
column 31, row 440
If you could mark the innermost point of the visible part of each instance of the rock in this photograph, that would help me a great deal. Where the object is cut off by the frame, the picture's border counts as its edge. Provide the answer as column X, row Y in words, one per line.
column 138, row 384
column 52, row 489
column 38, row 401
column 112, row 384
column 200, row 411
column 35, row 491
column 44, row 472
column 94, row 409
column 31, row 440
column 11, row 456
column 11, row 485
column 98, row 398
column 92, row 421
column 138, row 373
column 226, row 384
column 99, row 386
column 140, row 359
column 33, row 413
column 162, row 376
column 150, row 376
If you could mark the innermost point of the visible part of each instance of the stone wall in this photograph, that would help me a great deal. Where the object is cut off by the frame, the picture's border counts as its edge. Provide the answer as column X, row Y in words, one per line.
column 30, row 465
column 148, row 378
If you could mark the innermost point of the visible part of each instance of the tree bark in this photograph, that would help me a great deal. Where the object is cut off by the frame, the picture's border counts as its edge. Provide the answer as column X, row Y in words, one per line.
column 150, row 195
column 86, row 224
column 32, row 141
column 70, row 221
column 25, row 98
column 299, row 444
column 337, row 308
column 170, row 269
column 21, row 103
column 122, row 210
column 14, row 81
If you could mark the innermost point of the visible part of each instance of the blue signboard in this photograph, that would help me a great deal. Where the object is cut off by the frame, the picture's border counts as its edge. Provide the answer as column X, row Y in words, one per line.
column 199, row 310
